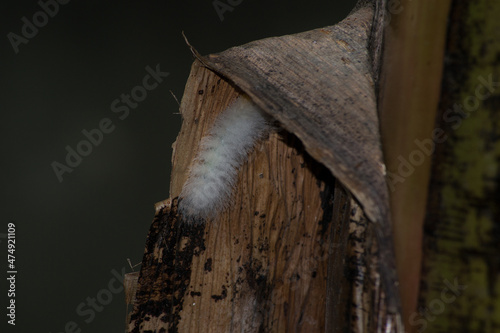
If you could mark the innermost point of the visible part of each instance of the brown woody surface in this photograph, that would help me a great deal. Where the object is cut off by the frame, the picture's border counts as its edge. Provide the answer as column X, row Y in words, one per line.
column 319, row 86
column 284, row 257
column 263, row 263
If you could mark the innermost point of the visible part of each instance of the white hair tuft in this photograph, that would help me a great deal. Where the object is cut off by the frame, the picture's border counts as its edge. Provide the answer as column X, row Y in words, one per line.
column 213, row 175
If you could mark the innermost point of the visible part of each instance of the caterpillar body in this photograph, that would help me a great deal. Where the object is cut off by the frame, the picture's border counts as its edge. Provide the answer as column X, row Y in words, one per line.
column 213, row 175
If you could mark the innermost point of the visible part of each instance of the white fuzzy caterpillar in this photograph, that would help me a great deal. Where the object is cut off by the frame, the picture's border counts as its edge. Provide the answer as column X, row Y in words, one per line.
column 222, row 152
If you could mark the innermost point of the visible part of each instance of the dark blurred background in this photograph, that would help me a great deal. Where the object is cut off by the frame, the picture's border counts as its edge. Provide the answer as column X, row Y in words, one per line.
column 75, row 232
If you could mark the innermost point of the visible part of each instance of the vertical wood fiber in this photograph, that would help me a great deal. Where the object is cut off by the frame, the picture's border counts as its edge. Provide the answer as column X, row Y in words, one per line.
column 408, row 101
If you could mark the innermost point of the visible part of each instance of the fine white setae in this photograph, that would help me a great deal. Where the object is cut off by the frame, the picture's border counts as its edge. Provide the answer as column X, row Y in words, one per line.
column 213, row 174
